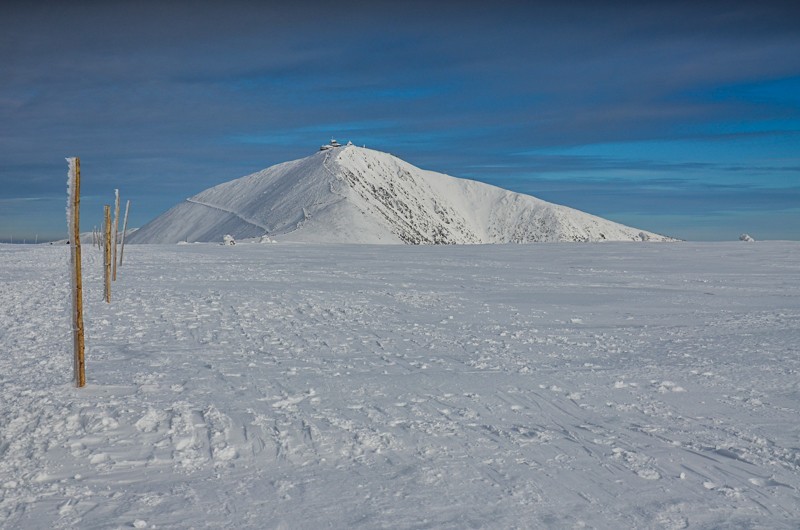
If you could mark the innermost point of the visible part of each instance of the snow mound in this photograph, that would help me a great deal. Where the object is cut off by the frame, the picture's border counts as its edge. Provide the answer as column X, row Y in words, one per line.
column 349, row 194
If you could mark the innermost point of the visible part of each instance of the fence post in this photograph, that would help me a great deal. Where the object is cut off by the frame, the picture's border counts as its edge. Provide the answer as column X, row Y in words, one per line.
column 107, row 254
column 124, row 228
column 73, row 220
column 116, row 232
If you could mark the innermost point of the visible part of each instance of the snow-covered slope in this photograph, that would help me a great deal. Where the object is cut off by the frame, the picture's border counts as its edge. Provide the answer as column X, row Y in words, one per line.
column 357, row 195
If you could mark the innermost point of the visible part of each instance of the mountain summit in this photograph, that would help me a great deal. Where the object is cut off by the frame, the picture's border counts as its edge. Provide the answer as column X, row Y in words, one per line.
column 349, row 194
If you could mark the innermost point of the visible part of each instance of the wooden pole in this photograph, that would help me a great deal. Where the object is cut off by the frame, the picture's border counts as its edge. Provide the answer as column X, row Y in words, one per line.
column 124, row 228
column 107, row 253
column 101, row 239
column 79, row 344
column 116, row 232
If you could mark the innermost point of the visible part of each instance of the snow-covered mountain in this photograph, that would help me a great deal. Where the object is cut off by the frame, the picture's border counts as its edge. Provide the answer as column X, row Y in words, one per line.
column 350, row 194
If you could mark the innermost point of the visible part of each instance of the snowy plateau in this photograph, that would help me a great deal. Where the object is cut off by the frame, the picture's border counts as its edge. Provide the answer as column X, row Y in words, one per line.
column 306, row 386
column 351, row 194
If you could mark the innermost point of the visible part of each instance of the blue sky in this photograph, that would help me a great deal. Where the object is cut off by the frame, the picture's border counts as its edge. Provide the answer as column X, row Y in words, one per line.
column 682, row 119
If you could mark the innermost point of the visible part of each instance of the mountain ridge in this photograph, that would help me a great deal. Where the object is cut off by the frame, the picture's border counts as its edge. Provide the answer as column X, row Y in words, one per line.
column 351, row 194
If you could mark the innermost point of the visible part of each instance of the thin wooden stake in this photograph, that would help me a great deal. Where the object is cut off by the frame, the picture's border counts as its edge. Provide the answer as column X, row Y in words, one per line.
column 79, row 344
column 124, row 228
column 107, row 253
column 116, row 232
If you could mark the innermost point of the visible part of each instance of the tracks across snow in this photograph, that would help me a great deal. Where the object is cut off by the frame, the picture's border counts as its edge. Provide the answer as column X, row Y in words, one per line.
column 357, row 386
column 226, row 210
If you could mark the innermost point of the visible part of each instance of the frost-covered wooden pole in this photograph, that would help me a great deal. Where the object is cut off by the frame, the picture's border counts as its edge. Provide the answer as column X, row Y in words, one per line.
column 116, row 232
column 73, row 222
column 107, row 254
column 124, row 228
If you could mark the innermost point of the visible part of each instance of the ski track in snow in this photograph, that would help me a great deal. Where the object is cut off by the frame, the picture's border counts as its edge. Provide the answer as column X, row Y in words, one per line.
column 225, row 210
column 302, row 386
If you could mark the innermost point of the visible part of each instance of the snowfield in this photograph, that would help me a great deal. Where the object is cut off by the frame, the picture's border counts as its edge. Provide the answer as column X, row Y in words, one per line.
column 356, row 386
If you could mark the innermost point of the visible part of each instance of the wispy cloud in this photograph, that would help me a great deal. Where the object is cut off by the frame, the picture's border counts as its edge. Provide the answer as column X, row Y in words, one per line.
column 21, row 200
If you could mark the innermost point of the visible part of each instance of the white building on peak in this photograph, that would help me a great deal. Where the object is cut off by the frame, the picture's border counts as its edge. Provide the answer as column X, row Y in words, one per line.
column 331, row 145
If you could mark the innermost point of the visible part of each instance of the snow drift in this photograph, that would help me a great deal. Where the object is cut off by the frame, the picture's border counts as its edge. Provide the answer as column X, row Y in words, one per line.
column 351, row 194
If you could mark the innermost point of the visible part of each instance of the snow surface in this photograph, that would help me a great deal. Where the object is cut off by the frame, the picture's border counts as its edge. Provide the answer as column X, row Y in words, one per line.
column 359, row 386
column 356, row 195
